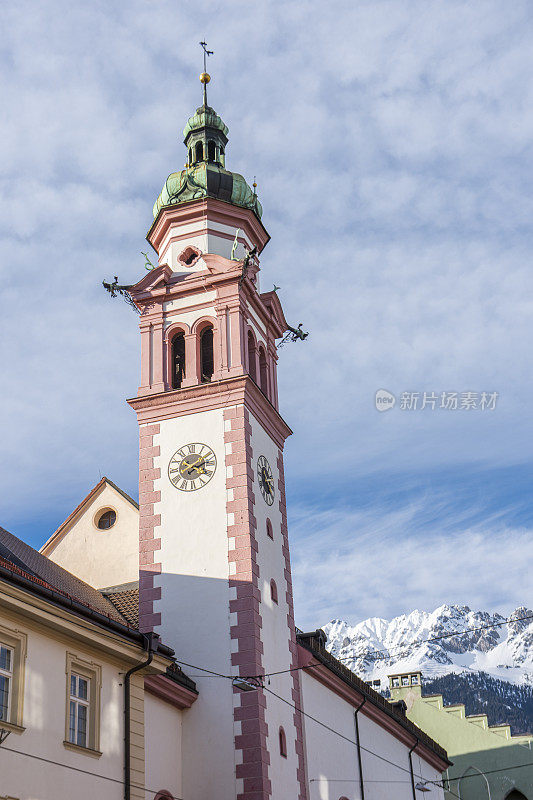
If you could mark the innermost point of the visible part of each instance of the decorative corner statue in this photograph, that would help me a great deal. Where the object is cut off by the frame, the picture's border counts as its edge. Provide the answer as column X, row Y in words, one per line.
column 293, row 334
column 248, row 258
column 115, row 288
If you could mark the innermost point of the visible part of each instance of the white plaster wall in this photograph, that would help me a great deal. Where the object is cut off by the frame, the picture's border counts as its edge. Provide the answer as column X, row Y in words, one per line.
column 183, row 302
column 162, row 747
column 332, row 760
column 195, row 228
column 27, row 778
column 102, row 558
column 170, row 253
column 275, row 630
column 190, row 317
column 195, row 602
column 207, row 240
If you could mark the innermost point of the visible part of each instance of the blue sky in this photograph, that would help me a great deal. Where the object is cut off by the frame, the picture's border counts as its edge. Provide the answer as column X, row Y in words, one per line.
column 392, row 147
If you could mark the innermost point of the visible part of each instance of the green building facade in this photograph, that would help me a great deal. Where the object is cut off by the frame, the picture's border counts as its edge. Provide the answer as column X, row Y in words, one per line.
column 487, row 761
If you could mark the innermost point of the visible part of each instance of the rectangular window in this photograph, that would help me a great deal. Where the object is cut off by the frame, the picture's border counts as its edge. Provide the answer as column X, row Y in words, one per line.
column 6, row 682
column 405, row 680
column 79, row 710
column 82, row 717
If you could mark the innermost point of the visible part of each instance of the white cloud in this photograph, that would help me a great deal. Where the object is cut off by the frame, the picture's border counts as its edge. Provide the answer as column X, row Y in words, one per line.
column 391, row 143
column 382, row 562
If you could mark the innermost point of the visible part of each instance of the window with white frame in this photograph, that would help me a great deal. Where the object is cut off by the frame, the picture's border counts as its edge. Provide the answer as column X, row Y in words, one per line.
column 79, row 710
column 6, row 681
column 82, row 718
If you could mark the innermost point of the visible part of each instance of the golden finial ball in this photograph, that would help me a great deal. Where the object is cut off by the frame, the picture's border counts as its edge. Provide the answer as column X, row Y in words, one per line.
column 205, row 77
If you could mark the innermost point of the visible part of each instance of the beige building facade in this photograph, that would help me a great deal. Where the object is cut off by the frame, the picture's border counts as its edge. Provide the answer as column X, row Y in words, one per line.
column 64, row 663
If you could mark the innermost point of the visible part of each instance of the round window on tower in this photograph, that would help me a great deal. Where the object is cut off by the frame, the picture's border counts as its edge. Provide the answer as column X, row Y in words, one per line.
column 105, row 518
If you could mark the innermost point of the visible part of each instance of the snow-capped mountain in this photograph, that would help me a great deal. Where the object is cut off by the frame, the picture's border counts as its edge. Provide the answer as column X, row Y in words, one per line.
column 377, row 647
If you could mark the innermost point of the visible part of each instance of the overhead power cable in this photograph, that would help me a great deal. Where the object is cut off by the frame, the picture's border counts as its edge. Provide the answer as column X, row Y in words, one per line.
column 351, row 741
column 78, row 769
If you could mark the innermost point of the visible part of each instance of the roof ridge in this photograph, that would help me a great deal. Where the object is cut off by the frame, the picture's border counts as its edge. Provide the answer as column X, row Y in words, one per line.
column 105, row 480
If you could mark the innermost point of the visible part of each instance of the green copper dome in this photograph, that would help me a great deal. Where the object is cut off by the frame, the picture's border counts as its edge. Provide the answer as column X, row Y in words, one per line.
column 207, row 180
column 205, row 173
column 205, row 117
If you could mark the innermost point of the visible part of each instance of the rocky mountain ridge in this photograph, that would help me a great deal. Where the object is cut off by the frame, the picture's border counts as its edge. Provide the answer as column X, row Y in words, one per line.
column 376, row 647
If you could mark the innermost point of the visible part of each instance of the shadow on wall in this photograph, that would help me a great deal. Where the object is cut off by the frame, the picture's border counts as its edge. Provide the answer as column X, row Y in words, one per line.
column 502, row 773
column 196, row 623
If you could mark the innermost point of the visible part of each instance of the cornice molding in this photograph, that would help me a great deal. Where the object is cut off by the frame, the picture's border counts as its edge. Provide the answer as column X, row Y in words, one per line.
column 169, row 691
column 320, row 672
column 208, row 396
column 210, row 208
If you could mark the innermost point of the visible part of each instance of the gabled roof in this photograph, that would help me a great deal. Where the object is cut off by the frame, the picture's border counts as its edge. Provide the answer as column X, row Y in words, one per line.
column 314, row 642
column 57, row 534
column 272, row 302
column 40, row 568
column 159, row 275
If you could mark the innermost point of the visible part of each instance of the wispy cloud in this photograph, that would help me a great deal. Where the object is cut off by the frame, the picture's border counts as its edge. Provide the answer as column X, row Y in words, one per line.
column 382, row 561
column 392, row 146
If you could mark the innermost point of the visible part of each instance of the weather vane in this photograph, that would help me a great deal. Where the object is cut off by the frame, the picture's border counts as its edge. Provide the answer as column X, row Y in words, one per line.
column 205, row 77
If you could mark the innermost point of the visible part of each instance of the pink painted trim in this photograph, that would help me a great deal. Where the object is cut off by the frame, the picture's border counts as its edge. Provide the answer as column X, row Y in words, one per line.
column 249, row 709
column 169, row 691
column 197, row 329
column 215, row 211
column 148, row 522
column 217, row 394
column 252, row 356
column 296, row 688
column 185, row 254
column 170, row 332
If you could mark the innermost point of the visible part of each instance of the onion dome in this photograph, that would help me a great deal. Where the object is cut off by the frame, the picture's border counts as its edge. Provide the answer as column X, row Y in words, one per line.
column 205, row 173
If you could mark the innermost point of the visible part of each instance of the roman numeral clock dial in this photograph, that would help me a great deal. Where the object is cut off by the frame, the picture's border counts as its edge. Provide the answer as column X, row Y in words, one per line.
column 192, row 467
column 266, row 480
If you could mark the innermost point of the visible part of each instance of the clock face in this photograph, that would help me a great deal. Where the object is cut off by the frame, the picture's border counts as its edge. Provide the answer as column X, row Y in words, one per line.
column 191, row 467
column 266, row 480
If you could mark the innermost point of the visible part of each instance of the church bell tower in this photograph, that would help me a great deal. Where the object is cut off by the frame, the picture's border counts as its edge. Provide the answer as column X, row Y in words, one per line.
column 215, row 576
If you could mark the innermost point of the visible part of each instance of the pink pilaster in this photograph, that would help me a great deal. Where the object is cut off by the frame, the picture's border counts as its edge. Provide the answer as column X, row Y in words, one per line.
column 158, row 381
column 191, row 360
column 149, row 544
column 144, row 388
column 253, row 758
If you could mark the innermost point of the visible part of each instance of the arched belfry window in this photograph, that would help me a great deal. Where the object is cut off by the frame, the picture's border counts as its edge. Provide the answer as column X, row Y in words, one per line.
column 199, row 151
column 177, row 361
column 263, row 371
column 190, row 155
column 221, row 151
column 251, row 357
column 207, row 364
column 282, row 743
column 211, row 151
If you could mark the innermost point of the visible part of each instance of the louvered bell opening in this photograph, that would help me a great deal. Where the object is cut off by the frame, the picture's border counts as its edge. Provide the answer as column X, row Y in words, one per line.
column 206, row 355
column 178, row 360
